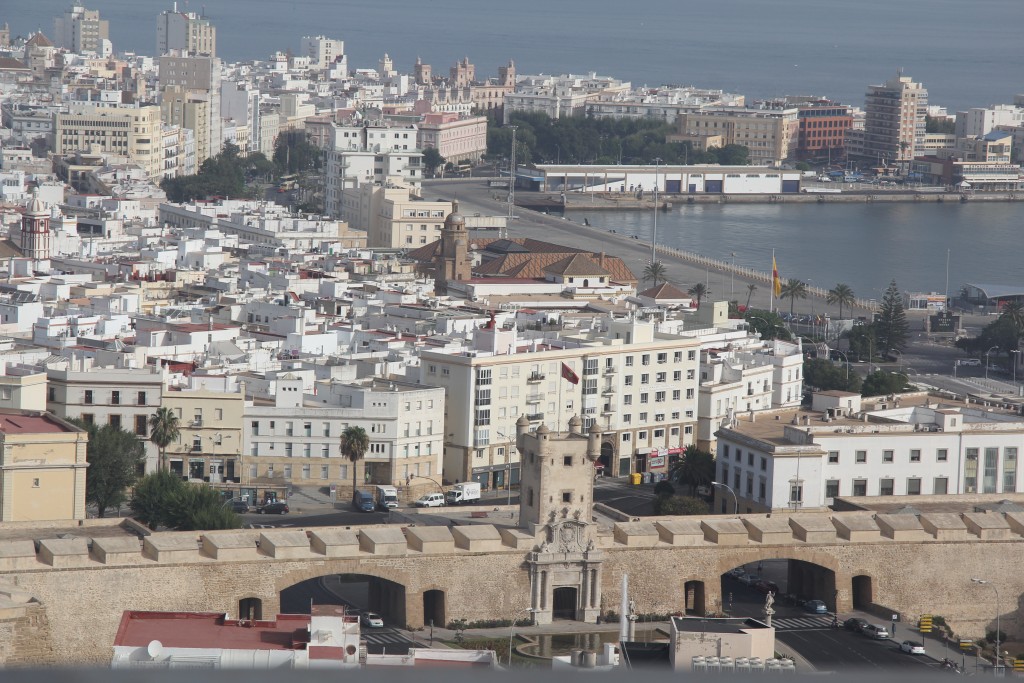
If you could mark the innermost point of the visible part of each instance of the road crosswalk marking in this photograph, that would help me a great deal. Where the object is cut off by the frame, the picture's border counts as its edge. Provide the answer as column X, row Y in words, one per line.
column 808, row 622
column 385, row 638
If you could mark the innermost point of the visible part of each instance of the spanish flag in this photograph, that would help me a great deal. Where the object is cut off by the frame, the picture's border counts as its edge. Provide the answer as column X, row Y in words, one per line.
column 776, row 280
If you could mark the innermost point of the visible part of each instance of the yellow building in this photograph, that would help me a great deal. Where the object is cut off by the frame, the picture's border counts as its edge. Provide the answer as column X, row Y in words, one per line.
column 393, row 216
column 210, row 431
column 133, row 133
column 42, row 467
column 770, row 135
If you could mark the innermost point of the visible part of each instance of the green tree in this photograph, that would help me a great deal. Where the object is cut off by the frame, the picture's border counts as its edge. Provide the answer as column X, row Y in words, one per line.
column 655, row 273
column 793, row 289
column 354, row 444
column 152, row 497
column 197, row 507
column 841, row 294
column 825, row 375
column 939, row 125
column 751, row 289
column 664, row 488
column 694, row 468
column 699, row 291
column 294, row 153
column 1013, row 313
column 163, row 431
column 115, row 457
column 880, row 383
column 432, row 160
column 892, row 328
column 679, row 505
column 863, row 342
column 768, row 324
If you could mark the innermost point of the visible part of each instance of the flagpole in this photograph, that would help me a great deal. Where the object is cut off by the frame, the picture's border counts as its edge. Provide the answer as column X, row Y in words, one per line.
column 561, row 380
column 771, row 294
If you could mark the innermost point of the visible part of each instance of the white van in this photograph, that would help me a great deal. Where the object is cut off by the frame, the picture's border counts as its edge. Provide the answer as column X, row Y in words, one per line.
column 430, row 500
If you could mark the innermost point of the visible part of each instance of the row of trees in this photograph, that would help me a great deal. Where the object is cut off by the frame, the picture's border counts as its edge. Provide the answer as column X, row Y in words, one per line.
column 1004, row 332
column 582, row 139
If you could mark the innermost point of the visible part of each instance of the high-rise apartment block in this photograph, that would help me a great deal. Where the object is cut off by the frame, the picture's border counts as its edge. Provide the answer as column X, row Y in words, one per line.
column 894, row 120
column 185, row 31
column 188, row 83
column 131, row 132
column 80, row 30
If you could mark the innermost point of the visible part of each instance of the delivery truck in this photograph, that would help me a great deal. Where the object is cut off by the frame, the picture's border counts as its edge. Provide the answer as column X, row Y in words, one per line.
column 463, row 493
column 387, row 497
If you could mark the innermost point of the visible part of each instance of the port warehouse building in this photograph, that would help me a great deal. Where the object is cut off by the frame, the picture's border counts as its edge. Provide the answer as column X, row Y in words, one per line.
column 710, row 179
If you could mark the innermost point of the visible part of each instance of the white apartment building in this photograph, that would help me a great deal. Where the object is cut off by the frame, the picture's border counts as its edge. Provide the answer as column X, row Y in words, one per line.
column 664, row 103
column 131, row 132
column 124, row 397
column 185, row 31
column 324, row 52
column 979, row 121
column 910, row 445
column 894, row 120
column 350, row 169
column 294, row 436
column 638, row 385
column 558, row 96
column 393, row 216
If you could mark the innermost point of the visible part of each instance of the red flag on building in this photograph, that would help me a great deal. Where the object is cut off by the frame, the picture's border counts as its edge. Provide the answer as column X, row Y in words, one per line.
column 568, row 374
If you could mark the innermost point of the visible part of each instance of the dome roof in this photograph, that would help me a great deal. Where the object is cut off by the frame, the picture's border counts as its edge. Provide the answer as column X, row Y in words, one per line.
column 36, row 206
column 455, row 219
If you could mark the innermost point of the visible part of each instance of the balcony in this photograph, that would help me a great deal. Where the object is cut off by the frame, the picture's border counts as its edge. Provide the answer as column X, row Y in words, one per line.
column 535, row 398
column 609, row 369
column 608, row 391
column 535, row 377
column 535, row 417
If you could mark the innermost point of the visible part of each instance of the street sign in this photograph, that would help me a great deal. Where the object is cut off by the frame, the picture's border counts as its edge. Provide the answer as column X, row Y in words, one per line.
column 925, row 624
column 966, row 645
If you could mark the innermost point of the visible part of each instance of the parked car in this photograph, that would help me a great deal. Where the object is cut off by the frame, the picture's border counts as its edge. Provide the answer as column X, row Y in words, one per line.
column 363, row 501
column 277, row 508
column 969, row 361
column 239, row 506
column 855, row 624
column 749, row 579
column 876, row 631
column 766, row 587
column 912, row 647
column 816, row 607
column 430, row 500
column 371, row 620
column 737, row 572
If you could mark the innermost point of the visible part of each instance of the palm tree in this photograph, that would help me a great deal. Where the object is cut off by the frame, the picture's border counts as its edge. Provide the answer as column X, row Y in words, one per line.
column 354, row 444
column 163, row 431
column 793, row 289
column 700, row 291
column 1013, row 312
column 840, row 294
column 695, row 468
column 655, row 272
column 751, row 288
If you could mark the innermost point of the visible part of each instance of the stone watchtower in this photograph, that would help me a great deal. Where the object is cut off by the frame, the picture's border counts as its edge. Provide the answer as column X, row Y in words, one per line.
column 555, row 505
column 453, row 262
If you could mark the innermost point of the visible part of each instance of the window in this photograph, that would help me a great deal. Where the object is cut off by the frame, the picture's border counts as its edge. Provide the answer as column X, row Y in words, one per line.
column 691, row 355
column 885, row 487
column 659, row 433
column 689, row 393
column 941, row 455
column 750, row 458
column 764, row 464
column 645, row 359
column 88, row 396
column 886, row 456
column 308, row 428
column 644, row 398
column 860, row 487
column 255, row 428
column 833, row 457
column 627, row 400
column 323, row 471
column 629, row 361
column 861, row 457
column 1009, row 470
column 677, row 376
column 566, row 496
column 971, row 470
column 115, row 398
column 567, row 460
column 141, row 425
column 676, row 394
column 915, row 455
column 941, row 486
column 141, row 398
column 287, row 471
column 660, row 377
column 677, row 356
column 645, row 378
column 641, row 435
column 991, row 461
column 625, row 437
column 88, row 418
column 115, row 421
column 629, row 380
column 914, row 486
column 831, row 488
column 796, row 493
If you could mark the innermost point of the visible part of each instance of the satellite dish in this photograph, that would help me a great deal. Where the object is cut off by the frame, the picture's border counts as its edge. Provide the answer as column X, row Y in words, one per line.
column 155, row 648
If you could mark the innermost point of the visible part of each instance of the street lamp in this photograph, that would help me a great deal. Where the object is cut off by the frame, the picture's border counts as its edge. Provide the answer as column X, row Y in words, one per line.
column 508, row 465
column 769, row 326
column 985, row 582
column 512, row 632
column 901, row 359
column 1013, row 362
column 847, row 362
column 410, row 477
column 654, row 235
column 986, row 359
column 735, row 500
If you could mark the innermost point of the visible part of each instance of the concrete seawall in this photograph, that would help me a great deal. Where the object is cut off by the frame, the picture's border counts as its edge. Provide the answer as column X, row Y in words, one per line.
column 617, row 202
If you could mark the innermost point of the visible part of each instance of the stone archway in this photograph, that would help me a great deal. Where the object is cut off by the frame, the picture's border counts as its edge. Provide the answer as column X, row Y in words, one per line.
column 863, row 591
column 250, row 608
column 607, row 459
column 434, row 607
column 356, row 590
column 694, row 598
